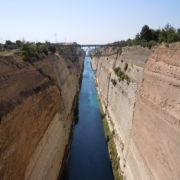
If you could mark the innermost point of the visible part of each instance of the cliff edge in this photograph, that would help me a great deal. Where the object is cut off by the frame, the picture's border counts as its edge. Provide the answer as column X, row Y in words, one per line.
column 140, row 94
column 37, row 102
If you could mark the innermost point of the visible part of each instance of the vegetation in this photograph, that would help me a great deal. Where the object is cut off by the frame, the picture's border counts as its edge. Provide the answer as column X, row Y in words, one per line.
column 112, row 147
column 149, row 37
column 113, row 81
column 9, row 45
column 121, row 74
column 52, row 49
column 126, row 66
column 30, row 51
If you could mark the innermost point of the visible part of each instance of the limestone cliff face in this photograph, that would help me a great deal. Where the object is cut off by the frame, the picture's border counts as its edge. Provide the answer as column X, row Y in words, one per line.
column 156, row 131
column 145, row 113
column 36, row 114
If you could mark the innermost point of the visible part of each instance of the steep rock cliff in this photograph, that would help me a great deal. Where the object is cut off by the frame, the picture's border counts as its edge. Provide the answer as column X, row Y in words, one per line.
column 155, row 140
column 37, row 103
column 144, row 113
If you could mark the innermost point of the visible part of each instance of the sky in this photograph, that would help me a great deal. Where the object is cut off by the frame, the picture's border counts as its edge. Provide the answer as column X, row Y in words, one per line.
column 84, row 22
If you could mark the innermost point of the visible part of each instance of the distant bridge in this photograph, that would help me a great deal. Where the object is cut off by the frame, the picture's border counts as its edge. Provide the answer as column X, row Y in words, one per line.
column 89, row 45
column 95, row 49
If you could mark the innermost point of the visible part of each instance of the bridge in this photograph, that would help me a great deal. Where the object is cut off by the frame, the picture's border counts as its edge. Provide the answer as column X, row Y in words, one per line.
column 90, row 45
column 91, row 50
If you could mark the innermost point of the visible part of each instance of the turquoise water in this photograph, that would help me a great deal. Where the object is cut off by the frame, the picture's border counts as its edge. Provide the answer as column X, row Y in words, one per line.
column 89, row 158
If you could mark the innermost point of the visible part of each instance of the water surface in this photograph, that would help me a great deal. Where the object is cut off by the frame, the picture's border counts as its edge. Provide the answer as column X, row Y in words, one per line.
column 89, row 158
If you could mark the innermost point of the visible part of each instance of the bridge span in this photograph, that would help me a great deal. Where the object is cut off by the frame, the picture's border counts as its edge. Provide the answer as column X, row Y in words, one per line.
column 91, row 50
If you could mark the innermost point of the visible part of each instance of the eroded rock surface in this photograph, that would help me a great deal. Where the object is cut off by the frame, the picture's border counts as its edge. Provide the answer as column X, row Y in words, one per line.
column 145, row 113
column 37, row 103
column 156, row 130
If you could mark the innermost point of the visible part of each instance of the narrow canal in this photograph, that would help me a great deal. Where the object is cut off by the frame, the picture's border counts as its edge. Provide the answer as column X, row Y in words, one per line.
column 89, row 158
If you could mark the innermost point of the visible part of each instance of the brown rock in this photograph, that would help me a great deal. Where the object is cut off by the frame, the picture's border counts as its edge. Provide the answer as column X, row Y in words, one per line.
column 36, row 115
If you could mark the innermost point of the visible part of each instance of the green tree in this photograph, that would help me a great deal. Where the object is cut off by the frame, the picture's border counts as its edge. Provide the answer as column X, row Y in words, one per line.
column 168, row 34
column 30, row 52
column 171, row 33
column 178, row 31
column 171, row 36
column 145, row 33
column 25, row 56
column 162, row 36
column 155, row 34
column 43, row 49
column 47, row 43
column 5, row 46
column 129, row 42
column 137, row 37
column 167, row 27
column 136, row 40
column 52, row 49
column 178, row 34
column 151, row 43
column 18, row 43
column 8, row 42
column 144, row 43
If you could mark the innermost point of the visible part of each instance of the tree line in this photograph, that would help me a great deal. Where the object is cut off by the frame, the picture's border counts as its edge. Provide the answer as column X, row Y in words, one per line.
column 30, row 51
column 149, row 37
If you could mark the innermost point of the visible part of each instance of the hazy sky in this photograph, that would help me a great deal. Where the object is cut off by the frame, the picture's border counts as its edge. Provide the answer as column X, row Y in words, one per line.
column 92, row 21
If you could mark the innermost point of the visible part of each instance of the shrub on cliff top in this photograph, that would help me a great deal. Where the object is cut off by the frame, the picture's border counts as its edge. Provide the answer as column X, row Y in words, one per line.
column 25, row 56
column 113, row 81
column 152, row 43
column 31, row 52
column 52, row 49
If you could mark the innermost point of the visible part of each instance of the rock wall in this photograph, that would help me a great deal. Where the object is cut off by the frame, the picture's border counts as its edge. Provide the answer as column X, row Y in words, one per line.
column 156, row 131
column 145, row 113
column 37, row 103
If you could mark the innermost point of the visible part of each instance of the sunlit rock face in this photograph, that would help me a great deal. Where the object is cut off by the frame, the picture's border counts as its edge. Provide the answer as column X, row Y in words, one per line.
column 145, row 113
column 37, row 103
column 155, row 134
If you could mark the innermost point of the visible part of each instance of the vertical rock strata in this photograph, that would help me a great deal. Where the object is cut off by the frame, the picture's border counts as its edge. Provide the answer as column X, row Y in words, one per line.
column 144, row 114
column 37, row 103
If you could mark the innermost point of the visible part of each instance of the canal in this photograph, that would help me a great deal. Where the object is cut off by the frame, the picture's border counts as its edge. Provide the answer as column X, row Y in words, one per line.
column 89, row 158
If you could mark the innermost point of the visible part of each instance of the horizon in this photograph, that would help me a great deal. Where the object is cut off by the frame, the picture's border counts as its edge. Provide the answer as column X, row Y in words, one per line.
column 106, row 22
